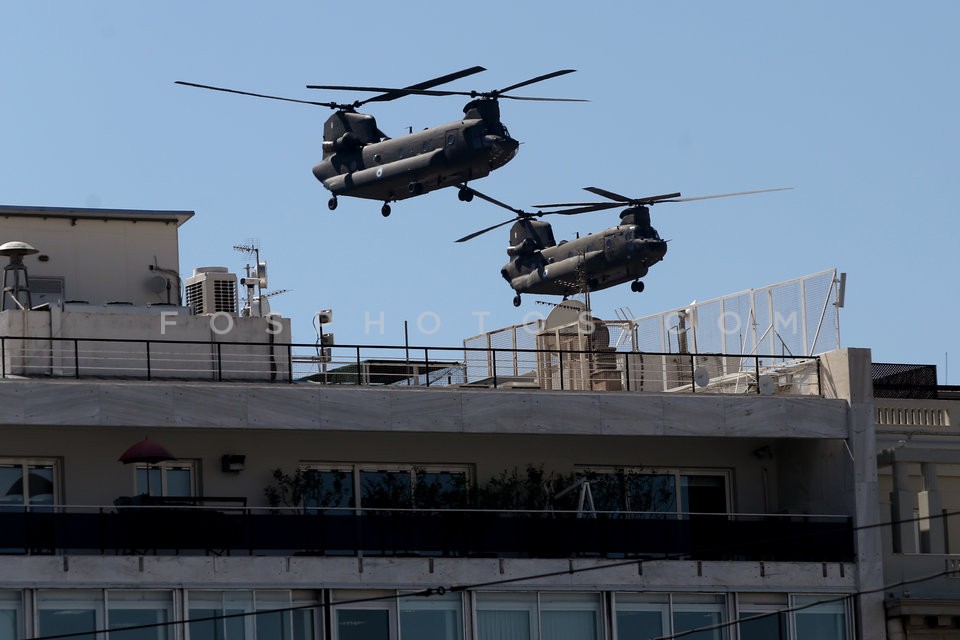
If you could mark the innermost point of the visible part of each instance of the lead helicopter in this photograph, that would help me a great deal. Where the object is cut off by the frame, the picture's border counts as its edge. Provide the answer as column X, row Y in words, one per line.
column 624, row 253
column 361, row 161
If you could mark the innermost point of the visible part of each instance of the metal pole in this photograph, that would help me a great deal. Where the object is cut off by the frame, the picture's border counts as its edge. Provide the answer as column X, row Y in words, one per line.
column 219, row 363
column 148, row 360
column 290, row 363
column 493, row 353
column 76, row 359
column 426, row 358
column 3, row 355
column 359, row 381
column 560, row 364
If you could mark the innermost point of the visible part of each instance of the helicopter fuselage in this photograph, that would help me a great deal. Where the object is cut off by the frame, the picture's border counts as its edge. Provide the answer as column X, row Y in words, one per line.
column 398, row 168
column 594, row 262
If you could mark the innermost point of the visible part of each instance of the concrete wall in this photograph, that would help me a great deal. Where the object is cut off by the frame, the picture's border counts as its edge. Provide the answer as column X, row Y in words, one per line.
column 43, row 356
column 100, row 261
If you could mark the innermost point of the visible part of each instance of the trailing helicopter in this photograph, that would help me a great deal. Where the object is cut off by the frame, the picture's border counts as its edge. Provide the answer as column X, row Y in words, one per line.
column 361, row 161
column 597, row 261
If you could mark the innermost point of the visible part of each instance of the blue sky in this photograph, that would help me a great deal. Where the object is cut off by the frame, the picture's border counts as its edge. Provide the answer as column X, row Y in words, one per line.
column 852, row 104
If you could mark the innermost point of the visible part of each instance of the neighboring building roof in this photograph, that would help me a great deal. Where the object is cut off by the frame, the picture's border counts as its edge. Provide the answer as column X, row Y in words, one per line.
column 129, row 215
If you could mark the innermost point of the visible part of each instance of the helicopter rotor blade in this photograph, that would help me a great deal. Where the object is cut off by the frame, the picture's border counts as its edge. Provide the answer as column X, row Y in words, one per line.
column 623, row 201
column 491, row 228
column 521, row 214
column 725, row 195
column 483, row 196
column 424, row 89
column 391, row 93
column 586, row 208
column 332, row 105
column 545, row 76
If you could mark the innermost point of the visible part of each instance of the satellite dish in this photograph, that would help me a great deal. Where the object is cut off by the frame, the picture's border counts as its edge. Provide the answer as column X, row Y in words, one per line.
column 157, row 284
column 768, row 385
column 701, row 377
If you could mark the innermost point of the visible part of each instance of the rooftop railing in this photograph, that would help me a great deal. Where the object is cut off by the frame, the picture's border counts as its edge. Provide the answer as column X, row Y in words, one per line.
column 403, row 366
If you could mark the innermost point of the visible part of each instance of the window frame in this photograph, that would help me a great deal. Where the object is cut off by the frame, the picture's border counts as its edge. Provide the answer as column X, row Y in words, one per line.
column 193, row 466
column 25, row 464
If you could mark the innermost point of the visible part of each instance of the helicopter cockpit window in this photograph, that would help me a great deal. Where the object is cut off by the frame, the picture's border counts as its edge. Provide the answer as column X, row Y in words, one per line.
column 475, row 135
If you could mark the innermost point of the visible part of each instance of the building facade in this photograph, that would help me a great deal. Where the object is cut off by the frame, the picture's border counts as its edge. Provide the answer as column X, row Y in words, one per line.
column 273, row 490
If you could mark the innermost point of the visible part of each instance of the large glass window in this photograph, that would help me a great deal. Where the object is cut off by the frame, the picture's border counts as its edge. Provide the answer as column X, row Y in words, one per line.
column 328, row 488
column 659, row 491
column 385, row 487
column 30, row 484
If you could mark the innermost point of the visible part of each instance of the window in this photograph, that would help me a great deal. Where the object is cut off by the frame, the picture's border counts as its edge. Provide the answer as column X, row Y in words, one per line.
column 11, row 615
column 265, row 625
column 531, row 616
column 136, row 608
column 30, row 484
column 698, row 612
column 174, row 478
column 645, row 616
column 437, row 617
column 659, row 491
column 570, row 616
column 371, row 620
column 761, row 618
column 641, row 617
column 827, row 621
column 506, row 616
column 385, row 486
column 70, row 612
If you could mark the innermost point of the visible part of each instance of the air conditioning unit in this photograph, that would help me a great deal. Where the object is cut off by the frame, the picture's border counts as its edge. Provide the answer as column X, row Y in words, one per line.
column 211, row 290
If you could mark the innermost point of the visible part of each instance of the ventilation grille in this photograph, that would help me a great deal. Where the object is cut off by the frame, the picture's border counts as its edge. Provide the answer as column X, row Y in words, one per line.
column 212, row 292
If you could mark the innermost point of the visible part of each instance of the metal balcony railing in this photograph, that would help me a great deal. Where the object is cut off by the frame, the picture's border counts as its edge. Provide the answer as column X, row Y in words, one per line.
column 401, row 365
column 408, row 532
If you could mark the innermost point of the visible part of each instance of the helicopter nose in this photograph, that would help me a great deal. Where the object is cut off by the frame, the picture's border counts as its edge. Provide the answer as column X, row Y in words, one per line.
column 502, row 151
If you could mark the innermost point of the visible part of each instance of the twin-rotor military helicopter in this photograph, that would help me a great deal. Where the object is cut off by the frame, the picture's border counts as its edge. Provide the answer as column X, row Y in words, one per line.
column 361, row 161
column 624, row 253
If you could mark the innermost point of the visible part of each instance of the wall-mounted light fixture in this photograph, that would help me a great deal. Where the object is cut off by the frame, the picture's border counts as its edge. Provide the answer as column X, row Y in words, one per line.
column 232, row 463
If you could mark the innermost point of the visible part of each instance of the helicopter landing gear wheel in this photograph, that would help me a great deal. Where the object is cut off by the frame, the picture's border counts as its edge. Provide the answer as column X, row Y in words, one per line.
column 385, row 210
column 516, row 300
column 465, row 195
column 636, row 286
column 332, row 203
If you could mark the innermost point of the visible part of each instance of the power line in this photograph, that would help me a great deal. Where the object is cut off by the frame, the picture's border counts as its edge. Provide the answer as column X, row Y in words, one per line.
column 551, row 574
